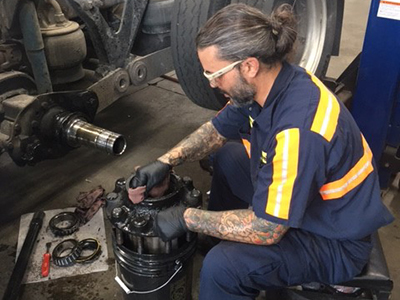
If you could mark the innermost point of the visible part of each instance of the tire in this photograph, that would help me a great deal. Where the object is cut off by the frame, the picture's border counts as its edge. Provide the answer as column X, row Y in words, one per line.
column 318, row 36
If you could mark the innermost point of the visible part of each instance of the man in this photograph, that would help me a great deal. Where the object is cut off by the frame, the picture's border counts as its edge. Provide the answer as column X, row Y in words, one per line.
column 304, row 167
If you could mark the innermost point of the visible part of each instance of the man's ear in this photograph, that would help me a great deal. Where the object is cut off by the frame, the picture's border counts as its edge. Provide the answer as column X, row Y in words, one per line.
column 251, row 67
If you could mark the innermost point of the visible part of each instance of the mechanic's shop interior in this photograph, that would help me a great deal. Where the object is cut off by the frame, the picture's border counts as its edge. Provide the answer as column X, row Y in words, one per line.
column 89, row 90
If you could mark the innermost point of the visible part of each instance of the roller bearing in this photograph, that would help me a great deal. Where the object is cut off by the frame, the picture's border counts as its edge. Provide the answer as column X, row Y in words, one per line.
column 92, row 245
column 66, row 253
column 64, row 223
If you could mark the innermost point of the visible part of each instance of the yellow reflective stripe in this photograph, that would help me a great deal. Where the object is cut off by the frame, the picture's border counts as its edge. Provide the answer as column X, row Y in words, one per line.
column 352, row 179
column 263, row 157
column 285, row 163
column 327, row 115
column 251, row 121
column 247, row 146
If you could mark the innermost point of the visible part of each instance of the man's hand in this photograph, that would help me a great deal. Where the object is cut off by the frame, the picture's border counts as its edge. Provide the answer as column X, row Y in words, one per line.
column 170, row 223
column 150, row 175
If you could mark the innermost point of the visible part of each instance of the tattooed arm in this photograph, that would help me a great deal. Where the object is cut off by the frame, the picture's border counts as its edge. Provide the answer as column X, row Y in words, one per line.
column 203, row 141
column 234, row 225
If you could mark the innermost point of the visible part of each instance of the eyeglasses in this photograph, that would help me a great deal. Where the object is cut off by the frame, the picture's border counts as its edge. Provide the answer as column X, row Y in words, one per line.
column 212, row 76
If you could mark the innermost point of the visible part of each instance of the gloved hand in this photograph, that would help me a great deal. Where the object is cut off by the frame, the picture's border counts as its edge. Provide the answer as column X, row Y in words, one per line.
column 170, row 224
column 150, row 175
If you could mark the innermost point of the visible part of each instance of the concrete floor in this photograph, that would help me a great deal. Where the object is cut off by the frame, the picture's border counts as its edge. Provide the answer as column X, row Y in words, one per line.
column 153, row 119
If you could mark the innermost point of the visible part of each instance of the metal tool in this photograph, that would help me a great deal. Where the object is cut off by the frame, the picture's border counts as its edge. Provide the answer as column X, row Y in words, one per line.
column 46, row 261
column 17, row 275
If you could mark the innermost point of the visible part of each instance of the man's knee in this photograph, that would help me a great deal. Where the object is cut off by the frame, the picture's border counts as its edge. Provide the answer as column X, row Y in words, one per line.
column 228, row 156
column 220, row 277
column 217, row 267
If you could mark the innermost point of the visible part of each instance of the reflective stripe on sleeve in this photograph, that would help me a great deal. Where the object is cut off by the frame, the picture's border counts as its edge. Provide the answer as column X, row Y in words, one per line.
column 284, row 164
column 327, row 115
column 352, row 179
column 247, row 146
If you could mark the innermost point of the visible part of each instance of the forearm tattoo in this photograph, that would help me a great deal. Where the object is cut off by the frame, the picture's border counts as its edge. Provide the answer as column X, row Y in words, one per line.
column 235, row 225
column 203, row 141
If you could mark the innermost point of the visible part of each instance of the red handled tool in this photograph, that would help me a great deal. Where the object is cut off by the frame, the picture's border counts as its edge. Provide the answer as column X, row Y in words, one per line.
column 46, row 261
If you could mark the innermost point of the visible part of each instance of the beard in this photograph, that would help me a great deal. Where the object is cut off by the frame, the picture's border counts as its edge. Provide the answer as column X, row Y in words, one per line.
column 242, row 94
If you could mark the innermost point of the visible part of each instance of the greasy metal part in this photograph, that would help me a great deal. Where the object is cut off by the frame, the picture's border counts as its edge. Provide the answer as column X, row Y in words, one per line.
column 133, row 223
column 17, row 275
column 146, row 264
column 143, row 69
column 119, row 237
column 10, row 56
column 79, row 132
column 34, row 46
column 112, row 46
column 140, row 69
column 66, row 253
column 50, row 125
column 13, row 83
column 64, row 43
column 8, row 11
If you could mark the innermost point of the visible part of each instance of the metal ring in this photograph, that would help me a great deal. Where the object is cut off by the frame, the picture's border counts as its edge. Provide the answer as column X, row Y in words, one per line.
column 64, row 223
column 66, row 253
column 89, row 244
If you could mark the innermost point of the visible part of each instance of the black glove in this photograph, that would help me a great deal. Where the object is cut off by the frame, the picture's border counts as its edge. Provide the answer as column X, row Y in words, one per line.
column 170, row 224
column 150, row 175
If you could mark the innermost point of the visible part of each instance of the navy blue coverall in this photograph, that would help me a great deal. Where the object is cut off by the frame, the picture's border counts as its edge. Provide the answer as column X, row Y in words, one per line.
column 305, row 165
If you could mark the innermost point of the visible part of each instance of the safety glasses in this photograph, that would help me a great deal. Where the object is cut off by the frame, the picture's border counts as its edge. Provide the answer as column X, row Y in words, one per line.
column 212, row 76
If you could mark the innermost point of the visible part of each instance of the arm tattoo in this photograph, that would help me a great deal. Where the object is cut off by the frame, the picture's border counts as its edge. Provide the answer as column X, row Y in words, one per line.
column 235, row 225
column 203, row 141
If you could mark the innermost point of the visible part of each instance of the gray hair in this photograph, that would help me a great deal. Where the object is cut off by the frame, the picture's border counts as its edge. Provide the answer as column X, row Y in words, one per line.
column 240, row 31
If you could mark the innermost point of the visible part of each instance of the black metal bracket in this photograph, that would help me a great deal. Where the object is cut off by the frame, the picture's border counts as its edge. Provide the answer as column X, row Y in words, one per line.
column 112, row 46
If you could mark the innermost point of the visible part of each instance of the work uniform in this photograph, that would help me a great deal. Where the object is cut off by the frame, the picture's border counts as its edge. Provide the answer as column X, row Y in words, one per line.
column 302, row 163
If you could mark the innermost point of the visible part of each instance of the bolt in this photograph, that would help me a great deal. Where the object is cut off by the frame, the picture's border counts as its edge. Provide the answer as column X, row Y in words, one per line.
column 44, row 105
column 17, row 129
column 117, row 212
column 188, row 182
column 111, row 196
column 139, row 222
column 120, row 182
column 195, row 193
column 91, row 101
column 34, row 124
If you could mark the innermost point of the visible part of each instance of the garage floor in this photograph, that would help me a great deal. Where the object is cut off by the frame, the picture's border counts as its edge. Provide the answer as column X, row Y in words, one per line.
column 153, row 119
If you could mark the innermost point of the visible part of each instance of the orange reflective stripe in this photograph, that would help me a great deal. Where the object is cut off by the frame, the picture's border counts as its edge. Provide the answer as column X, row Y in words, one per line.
column 247, row 146
column 285, row 163
column 327, row 115
column 352, row 179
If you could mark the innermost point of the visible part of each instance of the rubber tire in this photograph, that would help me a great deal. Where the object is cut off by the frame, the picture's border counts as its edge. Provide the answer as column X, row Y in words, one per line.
column 187, row 19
